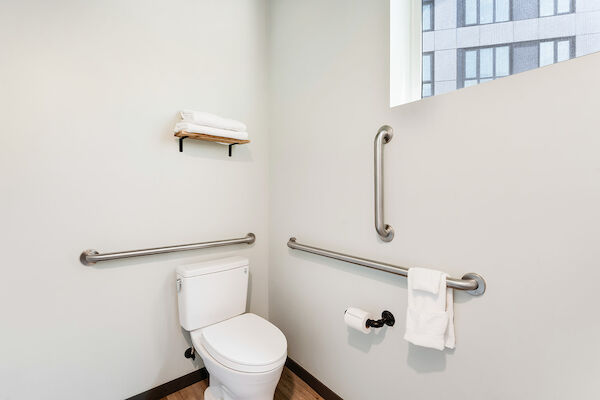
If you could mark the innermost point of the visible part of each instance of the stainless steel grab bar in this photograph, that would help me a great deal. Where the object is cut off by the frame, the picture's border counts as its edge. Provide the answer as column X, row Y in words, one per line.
column 473, row 283
column 91, row 257
column 384, row 135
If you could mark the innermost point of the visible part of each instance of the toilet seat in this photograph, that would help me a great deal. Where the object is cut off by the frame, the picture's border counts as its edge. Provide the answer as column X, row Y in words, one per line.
column 245, row 343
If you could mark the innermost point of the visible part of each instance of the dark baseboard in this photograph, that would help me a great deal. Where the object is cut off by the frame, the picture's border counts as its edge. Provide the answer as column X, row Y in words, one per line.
column 313, row 382
column 173, row 386
column 199, row 375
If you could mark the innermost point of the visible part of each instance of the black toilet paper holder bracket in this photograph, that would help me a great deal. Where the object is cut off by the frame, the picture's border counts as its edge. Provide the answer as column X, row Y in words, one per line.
column 387, row 318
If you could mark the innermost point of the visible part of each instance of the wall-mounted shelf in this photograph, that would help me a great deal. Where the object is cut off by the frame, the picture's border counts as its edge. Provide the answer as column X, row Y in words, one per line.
column 208, row 138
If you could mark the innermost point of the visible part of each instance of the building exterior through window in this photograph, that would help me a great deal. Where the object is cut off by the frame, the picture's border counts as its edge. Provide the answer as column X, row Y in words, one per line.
column 468, row 42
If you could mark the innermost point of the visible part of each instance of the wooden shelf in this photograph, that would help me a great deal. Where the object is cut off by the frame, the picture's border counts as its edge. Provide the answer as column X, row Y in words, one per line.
column 208, row 138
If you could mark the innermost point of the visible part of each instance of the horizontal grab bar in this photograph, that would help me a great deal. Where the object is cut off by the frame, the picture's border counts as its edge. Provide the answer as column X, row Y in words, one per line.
column 472, row 283
column 91, row 257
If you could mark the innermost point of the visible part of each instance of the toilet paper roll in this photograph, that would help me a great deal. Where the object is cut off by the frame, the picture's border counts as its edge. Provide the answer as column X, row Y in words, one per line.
column 357, row 319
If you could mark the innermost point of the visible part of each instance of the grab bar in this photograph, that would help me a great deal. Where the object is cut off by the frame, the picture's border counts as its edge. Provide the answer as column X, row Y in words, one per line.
column 384, row 135
column 91, row 257
column 472, row 283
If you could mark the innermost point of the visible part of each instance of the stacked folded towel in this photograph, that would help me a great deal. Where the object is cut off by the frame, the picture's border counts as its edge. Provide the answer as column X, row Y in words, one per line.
column 210, row 124
column 430, row 314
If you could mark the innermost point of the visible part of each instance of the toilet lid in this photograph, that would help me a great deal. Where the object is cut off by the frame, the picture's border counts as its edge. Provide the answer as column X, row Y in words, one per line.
column 246, row 343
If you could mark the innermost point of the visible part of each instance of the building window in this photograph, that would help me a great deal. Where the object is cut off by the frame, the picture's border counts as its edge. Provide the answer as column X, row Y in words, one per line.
column 478, row 12
column 427, row 89
column 428, row 15
column 555, row 7
column 471, row 41
column 557, row 50
column 478, row 65
column 482, row 64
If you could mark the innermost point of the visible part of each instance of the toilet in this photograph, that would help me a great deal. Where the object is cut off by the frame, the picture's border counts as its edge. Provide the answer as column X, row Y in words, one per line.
column 243, row 353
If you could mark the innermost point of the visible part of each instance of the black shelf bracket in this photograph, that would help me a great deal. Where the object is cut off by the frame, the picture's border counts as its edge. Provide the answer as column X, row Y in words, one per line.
column 185, row 137
column 230, row 146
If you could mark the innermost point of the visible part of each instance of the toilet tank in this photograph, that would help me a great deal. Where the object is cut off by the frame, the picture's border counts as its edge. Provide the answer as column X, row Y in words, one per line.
column 211, row 291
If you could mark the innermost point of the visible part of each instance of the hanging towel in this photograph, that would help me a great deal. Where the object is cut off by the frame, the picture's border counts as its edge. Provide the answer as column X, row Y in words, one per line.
column 430, row 314
column 212, row 120
column 208, row 130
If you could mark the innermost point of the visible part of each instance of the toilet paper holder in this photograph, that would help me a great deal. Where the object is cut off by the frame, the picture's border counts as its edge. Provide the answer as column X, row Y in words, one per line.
column 387, row 318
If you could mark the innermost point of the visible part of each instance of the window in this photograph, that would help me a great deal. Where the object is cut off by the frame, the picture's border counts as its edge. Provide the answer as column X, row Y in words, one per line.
column 428, row 15
column 478, row 65
column 557, row 50
column 474, row 41
column 482, row 64
column 427, row 88
column 555, row 7
column 478, row 12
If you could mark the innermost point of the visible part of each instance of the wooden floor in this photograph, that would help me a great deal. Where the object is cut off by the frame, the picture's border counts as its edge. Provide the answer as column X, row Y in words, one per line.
column 290, row 387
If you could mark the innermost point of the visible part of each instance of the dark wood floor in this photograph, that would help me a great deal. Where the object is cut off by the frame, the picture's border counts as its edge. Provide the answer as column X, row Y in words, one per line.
column 290, row 387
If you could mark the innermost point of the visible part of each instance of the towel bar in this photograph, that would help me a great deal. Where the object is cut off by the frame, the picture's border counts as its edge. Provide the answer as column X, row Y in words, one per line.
column 472, row 283
column 91, row 257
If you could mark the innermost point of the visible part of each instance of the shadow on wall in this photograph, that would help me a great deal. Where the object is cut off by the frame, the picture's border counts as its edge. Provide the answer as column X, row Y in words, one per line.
column 363, row 272
column 420, row 359
column 197, row 362
column 425, row 360
column 363, row 342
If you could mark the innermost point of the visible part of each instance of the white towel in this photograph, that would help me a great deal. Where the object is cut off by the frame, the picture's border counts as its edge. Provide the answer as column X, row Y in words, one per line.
column 212, row 120
column 208, row 130
column 430, row 314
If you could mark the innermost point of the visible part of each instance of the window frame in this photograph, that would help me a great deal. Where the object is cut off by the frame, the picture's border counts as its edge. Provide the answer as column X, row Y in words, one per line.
column 570, row 39
column 573, row 4
column 461, row 55
column 431, row 3
column 432, row 74
column 461, row 70
column 461, row 12
column 462, row 9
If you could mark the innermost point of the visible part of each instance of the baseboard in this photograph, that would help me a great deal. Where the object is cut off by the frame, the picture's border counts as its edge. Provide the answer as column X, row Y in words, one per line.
column 199, row 375
column 173, row 386
column 313, row 382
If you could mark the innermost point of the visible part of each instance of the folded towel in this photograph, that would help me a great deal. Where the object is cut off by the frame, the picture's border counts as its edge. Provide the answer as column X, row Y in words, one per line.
column 430, row 314
column 427, row 280
column 208, row 130
column 212, row 120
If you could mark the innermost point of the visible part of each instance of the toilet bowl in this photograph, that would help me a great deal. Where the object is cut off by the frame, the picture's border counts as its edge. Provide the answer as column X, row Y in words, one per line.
column 243, row 353
column 244, row 357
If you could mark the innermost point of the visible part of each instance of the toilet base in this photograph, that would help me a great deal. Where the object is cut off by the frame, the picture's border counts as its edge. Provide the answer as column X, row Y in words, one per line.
column 212, row 393
column 228, row 384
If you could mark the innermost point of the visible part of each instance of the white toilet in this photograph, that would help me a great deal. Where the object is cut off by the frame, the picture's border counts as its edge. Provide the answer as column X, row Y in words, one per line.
column 243, row 353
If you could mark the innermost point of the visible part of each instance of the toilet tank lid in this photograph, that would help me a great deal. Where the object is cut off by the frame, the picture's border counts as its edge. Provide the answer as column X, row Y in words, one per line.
column 211, row 266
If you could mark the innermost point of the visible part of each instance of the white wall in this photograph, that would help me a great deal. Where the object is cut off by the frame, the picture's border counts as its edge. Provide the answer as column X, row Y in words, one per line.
column 89, row 95
column 501, row 179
